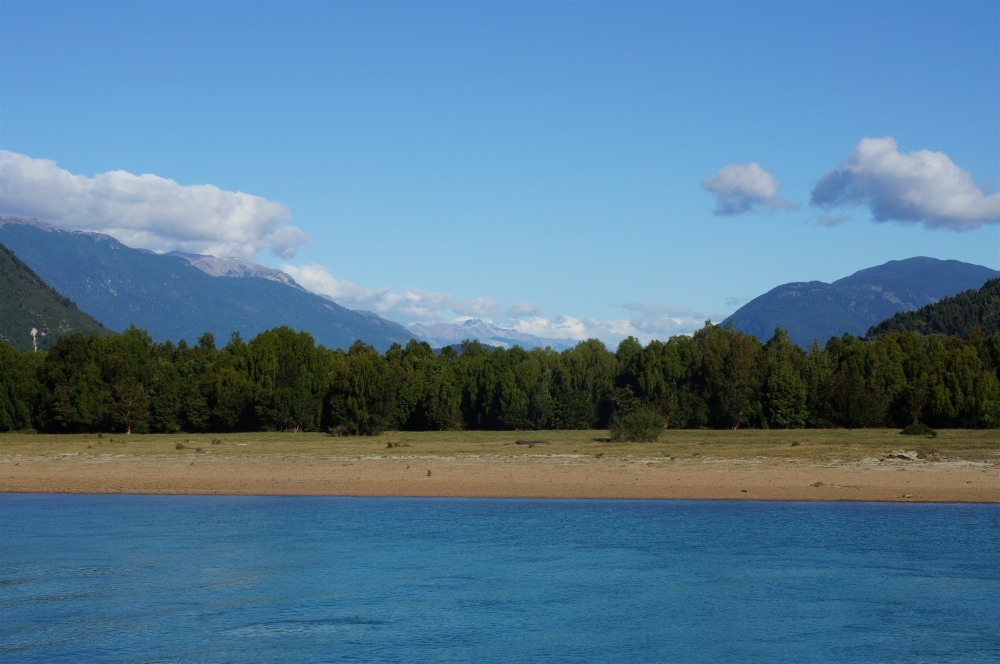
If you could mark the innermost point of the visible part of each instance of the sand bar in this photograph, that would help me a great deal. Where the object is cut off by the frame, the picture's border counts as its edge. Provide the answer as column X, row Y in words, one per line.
column 536, row 478
column 696, row 465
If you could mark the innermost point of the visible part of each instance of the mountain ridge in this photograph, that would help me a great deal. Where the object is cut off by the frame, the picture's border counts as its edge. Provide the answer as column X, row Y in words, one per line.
column 817, row 310
column 953, row 316
column 236, row 268
column 173, row 299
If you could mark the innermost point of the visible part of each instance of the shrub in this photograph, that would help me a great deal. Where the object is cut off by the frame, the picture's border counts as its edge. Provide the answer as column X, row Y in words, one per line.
column 641, row 425
column 918, row 429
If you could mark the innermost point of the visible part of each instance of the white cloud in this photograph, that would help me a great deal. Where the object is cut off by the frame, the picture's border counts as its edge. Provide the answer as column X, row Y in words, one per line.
column 318, row 279
column 478, row 307
column 645, row 329
column 147, row 211
column 523, row 310
column 648, row 329
column 559, row 327
column 655, row 321
column 663, row 327
column 411, row 305
column 740, row 188
column 417, row 306
column 919, row 187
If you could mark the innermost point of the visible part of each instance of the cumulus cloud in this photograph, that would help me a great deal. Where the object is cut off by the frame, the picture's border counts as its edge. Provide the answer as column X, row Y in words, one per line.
column 147, row 211
column 478, row 307
column 652, row 321
column 647, row 329
column 644, row 328
column 523, row 310
column 740, row 188
column 412, row 304
column 558, row 327
column 918, row 187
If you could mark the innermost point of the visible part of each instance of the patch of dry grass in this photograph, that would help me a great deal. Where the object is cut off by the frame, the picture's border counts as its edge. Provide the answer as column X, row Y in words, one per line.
column 803, row 445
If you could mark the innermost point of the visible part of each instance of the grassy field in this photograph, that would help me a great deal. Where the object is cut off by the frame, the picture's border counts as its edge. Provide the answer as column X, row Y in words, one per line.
column 798, row 445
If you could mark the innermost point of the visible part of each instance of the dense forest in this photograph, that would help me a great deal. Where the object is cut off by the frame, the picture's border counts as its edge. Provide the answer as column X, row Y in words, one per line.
column 281, row 380
column 958, row 315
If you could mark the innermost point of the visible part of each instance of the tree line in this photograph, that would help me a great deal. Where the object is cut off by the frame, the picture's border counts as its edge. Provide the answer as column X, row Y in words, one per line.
column 716, row 378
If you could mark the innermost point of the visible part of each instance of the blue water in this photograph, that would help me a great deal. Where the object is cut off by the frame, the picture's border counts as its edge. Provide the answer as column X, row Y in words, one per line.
column 266, row 579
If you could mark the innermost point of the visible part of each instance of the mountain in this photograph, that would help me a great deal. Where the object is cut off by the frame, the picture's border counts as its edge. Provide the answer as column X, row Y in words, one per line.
column 176, row 297
column 447, row 334
column 33, row 314
column 817, row 310
column 235, row 267
column 956, row 315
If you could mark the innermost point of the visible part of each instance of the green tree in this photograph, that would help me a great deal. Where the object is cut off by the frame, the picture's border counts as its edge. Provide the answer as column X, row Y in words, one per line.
column 660, row 370
column 632, row 420
column 861, row 384
column 413, row 368
column 730, row 375
column 76, row 395
column 20, row 390
column 130, row 405
column 364, row 394
column 582, row 381
column 125, row 362
column 290, row 377
column 785, row 392
column 786, row 398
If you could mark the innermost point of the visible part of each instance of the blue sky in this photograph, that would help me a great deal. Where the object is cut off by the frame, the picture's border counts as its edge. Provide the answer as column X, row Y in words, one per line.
column 455, row 159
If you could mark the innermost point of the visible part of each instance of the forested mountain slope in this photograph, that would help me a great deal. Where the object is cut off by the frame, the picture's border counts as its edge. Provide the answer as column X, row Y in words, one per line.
column 817, row 311
column 956, row 315
column 172, row 299
column 27, row 303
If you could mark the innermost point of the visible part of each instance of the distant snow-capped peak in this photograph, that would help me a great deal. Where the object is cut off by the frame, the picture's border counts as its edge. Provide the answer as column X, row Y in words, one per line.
column 447, row 334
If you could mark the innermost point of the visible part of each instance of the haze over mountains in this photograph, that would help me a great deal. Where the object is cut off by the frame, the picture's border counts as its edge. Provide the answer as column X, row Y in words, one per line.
column 816, row 310
column 175, row 297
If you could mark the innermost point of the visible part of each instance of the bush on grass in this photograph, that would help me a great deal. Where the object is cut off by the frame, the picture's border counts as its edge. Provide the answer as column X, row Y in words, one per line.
column 918, row 429
column 641, row 425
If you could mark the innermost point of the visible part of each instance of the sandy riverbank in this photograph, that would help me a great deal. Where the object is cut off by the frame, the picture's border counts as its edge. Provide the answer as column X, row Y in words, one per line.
column 523, row 476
